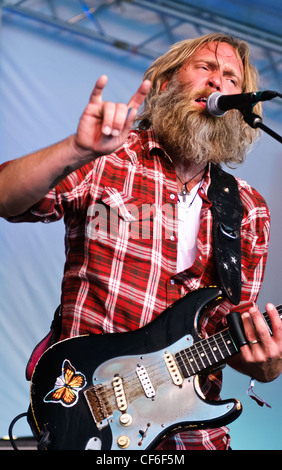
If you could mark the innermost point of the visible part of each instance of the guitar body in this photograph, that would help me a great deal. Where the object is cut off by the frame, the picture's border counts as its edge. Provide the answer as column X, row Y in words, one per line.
column 116, row 391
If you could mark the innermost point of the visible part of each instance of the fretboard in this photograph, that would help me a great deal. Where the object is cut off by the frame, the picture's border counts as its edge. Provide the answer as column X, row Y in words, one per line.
column 211, row 351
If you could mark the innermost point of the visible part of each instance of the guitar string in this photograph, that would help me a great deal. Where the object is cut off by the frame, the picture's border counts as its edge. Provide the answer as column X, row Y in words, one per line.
column 209, row 348
column 219, row 341
column 155, row 371
column 131, row 380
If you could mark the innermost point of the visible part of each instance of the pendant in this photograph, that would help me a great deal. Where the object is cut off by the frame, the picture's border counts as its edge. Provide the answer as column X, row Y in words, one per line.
column 183, row 193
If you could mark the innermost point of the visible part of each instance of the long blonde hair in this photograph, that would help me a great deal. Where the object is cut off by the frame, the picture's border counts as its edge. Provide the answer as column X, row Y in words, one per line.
column 169, row 63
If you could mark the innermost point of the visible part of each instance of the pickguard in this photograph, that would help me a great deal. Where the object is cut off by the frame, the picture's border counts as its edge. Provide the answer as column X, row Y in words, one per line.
column 172, row 406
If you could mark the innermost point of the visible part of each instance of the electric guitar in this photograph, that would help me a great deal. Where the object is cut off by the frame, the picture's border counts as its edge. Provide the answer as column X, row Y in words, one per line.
column 130, row 390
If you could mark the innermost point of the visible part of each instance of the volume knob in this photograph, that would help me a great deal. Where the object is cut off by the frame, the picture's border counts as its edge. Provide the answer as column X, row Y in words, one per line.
column 125, row 419
column 123, row 442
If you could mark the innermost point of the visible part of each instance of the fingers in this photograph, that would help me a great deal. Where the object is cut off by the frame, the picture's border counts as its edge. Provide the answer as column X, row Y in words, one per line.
column 138, row 98
column 262, row 356
column 136, row 101
column 114, row 118
column 275, row 320
column 117, row 117
column 256, row 329
column 96, row 95
column 261, row 332
column 253, row 326
column 249, row 326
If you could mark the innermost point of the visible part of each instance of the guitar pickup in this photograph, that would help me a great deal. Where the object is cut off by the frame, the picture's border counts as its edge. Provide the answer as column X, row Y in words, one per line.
column 119, row 393
column 173, row 369
column 145, row 381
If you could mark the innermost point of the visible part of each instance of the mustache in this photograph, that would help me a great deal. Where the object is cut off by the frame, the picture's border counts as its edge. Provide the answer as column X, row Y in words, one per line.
column 184, row 98
column 188, row 97
column 196, row 94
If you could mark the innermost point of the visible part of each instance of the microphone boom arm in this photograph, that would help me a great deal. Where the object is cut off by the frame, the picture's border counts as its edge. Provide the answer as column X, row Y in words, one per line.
column 255, row 121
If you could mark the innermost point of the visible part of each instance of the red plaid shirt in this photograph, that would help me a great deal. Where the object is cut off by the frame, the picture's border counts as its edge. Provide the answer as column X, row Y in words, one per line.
column 120, row 213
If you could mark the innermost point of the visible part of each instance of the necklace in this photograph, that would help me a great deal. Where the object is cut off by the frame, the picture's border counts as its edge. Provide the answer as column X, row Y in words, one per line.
column 184, row 190
column 182, row 204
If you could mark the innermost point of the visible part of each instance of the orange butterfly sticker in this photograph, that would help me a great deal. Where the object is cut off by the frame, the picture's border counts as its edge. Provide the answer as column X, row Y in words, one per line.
column 66, row 386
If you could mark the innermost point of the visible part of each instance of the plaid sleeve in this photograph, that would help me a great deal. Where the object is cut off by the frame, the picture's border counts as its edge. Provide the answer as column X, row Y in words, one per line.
column 69, row 195
column 255, row 241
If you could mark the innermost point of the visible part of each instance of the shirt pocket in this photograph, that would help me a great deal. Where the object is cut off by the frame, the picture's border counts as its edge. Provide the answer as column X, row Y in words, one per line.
column 121, row 224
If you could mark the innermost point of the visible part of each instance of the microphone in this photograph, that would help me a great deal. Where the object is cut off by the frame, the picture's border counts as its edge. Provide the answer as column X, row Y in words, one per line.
column 218, row 103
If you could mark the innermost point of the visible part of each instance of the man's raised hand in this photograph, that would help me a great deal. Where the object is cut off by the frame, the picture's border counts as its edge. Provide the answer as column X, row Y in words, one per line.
column 105, row 125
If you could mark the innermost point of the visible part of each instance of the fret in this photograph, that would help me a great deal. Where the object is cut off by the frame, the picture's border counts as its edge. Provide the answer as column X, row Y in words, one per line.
column 184, row 366
column 210, row 351
column 231, row 348
column 215, row 349
column 181, row 365
column 193, row 359
column 226, row 344
column 197, row 357
column 186, row 353
column 203, row 354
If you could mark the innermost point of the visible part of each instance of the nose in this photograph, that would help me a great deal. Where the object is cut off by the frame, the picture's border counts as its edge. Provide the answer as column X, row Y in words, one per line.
column 215, row 81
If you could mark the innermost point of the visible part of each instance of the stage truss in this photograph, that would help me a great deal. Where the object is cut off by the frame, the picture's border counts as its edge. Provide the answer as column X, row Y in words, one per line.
column 148, row 28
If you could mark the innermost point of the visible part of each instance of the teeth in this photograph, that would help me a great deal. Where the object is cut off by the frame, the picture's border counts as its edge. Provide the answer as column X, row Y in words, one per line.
column 202, row 99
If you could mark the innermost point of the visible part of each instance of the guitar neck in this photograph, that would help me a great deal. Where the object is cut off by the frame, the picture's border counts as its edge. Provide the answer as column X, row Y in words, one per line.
column 207, row 353
column 267, row 319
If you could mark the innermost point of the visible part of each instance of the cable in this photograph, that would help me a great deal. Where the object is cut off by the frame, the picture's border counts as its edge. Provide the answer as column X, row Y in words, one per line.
column 11, row 429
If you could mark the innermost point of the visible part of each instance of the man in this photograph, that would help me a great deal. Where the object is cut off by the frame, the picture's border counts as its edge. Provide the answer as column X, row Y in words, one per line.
column 115, row 279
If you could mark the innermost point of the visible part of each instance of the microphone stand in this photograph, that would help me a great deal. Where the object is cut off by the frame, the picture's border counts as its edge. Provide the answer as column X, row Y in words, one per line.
column 255, row 121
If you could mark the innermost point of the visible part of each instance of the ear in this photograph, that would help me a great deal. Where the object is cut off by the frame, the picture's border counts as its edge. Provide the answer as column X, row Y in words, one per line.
column 164, row 85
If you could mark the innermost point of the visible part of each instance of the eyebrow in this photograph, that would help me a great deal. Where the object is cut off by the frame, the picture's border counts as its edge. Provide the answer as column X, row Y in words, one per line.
column 213, row 64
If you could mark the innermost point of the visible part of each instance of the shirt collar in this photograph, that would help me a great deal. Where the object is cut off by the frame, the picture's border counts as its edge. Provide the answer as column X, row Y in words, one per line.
column 152, row 147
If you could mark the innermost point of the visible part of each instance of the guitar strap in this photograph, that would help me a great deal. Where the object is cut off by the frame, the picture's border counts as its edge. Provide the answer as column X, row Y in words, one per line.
column 227, row 213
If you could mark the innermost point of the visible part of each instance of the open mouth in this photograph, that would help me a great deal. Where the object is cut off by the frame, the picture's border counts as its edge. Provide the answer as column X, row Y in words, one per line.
column 202, row 99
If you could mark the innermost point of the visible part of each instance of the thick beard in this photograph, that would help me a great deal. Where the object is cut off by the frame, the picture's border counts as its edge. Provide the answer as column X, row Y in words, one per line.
column 190, row 133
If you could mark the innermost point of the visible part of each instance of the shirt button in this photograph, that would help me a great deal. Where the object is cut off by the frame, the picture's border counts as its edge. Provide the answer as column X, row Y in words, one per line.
column 172, row 281
column 172, row 196
column 172, row 238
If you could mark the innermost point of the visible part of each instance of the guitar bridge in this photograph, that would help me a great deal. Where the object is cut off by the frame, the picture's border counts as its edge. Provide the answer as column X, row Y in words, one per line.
column 99, row 404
